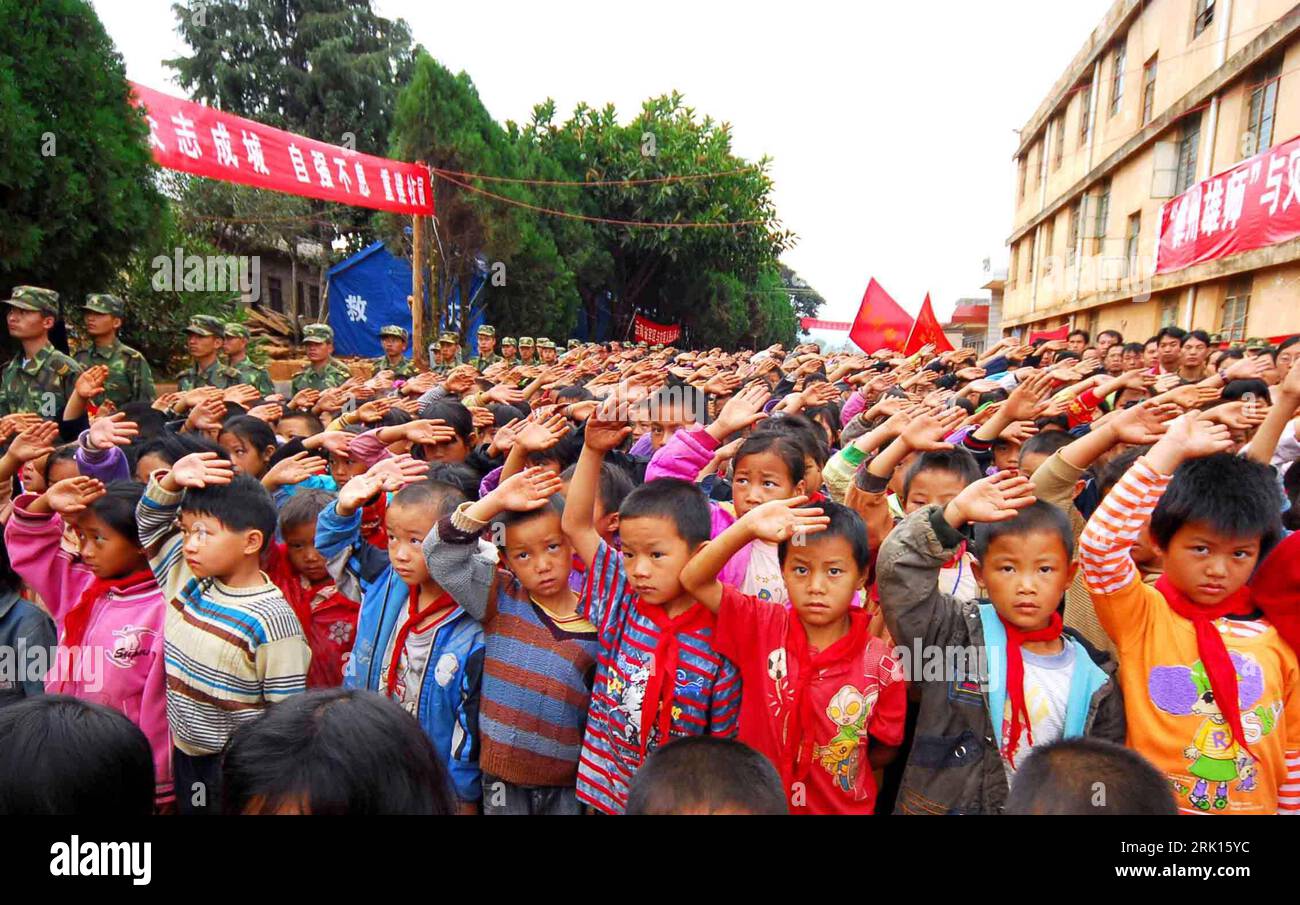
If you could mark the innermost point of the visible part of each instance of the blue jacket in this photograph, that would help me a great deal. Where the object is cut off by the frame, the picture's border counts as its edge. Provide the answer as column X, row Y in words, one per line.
column 449, row 713
column 26, row 632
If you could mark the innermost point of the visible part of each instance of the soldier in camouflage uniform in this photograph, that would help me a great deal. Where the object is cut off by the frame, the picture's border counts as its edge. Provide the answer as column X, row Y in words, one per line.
column 235, row 344
column 448, row 356
column 487, row 340
column 394, row 339
column 204, row 343
column 526, row 351
column 323, row 371
column 41, row 379
column 130, row 379
column 546, row 351
column 509, row 351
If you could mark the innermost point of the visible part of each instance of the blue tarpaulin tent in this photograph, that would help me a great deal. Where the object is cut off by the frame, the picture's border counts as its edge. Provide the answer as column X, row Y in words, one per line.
column 368, row 291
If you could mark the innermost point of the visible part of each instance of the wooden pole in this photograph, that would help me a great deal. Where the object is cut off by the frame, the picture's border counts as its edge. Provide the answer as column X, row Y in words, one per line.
column 418, row 353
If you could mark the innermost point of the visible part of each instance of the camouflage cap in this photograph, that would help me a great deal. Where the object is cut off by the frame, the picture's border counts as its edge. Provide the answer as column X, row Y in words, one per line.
column 394, row 331
column 1216, row 338
column 206, row 325
column 236, row 330
column 526, row 342
column 449, row 338
column 657, row 347
column 508, row 341
column 487, row 330
column 318, row 333
column 103, row 303
column 1256, row 342
column 34, row 298
column 573, row 344
column 544, row 343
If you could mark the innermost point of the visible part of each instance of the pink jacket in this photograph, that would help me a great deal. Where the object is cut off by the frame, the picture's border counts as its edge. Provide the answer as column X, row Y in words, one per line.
column 682, row 457
column 120, row 663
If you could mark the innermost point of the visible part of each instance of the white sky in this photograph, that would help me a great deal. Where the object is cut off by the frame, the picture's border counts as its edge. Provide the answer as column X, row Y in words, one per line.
column 891, row 126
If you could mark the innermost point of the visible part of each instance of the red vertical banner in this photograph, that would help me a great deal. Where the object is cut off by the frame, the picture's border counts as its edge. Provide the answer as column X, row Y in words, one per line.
column 204, row 141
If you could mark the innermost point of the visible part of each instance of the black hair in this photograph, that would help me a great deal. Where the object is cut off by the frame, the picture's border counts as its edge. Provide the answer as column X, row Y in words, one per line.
column 845, row 523
column 62, row 755
column 956, row 461
column 1045, row 443
column 146, row 418
column 1119, row 337
column 1046, row 425
column 317, row 426
column 458, row 417
column 965, row 404
column 457, row 474
column 1109, row 474
column 116, row 508
column 689, row 399
column 1038, row 517
column 997, row 395
column 1236, row 390
column 681, row 502
column 10, row 582
column 1288, row 343
column 1235, row 496
column 65, row 453
column 252, row 430
column 1067, row 355
column 615, row 484
column 574, row 393
column 831, row 414
column 503, row 414
column 1134, row 348
column 304, row 506
column 1198, row 334
column 786, row 448
column 1177, row 333
column 811, row 437
column 241, row 505
column 510, row 517
column 1291, row 487
column 171, row 448
column 1087, row 337
column 334, row 751
column 441, row 499
column 706, row 774
column 1064, row 776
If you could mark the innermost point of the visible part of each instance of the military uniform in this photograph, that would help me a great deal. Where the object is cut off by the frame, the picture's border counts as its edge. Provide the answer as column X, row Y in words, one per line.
column 335, row 373
column 249, row 373
column 405, row 367
column 221, row 376
column 42, row 384
column 509, row 351
column 482, row 362
column 130, row 379
column 526, row 342
column 437, row 364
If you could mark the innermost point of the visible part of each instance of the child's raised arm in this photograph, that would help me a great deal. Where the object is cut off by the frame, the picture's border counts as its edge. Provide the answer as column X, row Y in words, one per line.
column 774, row 521
column 579, row 520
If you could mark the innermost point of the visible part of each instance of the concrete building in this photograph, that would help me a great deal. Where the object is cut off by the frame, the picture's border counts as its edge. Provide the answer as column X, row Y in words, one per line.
column 969, row 324
column 1163, row 94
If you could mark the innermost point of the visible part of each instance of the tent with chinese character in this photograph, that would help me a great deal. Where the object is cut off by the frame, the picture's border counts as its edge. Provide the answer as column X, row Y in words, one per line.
column 368, row 291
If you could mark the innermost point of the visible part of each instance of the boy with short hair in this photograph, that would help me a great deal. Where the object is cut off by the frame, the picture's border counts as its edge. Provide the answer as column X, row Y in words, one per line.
column 415, row 644
column 817, row 684
column 1210, row 687
column 705, row 775
column 658, row 676
column 233, row 644
column 1030, row 682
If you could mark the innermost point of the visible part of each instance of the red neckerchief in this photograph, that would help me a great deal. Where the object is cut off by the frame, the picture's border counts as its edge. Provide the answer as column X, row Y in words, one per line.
column 797, row 740
column 77, row 619
column 1275, row 589
column 1016, row 680
column 372, row 522
column 413, row 615
column 578, row 565
column 1210, row 647
column 661, row 687
column 952, row 563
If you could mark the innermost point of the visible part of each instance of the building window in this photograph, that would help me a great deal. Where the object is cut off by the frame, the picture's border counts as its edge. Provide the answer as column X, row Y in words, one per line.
column 1076, row 217
column 1204, row 16
column 275, row 293
column 1032, row 249
column 1169, row 313
column 1185, row 175
column 1148, row 90
column 1085, row 122
column 1012, row 271
column 1032, row 165
column 1049, row 243
column 1117, row 75
column 1022, row 163
column 1263, row 105
column 1102, row 215
column 1131, row 238
column 1235, row 308
column 1058, row 142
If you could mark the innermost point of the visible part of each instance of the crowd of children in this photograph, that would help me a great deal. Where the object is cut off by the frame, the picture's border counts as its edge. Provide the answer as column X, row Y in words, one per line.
column 647, row 580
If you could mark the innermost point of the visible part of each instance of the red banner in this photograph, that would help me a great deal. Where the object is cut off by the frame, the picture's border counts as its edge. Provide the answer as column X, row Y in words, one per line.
column 648, row 331
column 812, row 323
column 205, row 141
column 1061, row 332
column 1252, row 205
column 926, row 331
column 881, row 323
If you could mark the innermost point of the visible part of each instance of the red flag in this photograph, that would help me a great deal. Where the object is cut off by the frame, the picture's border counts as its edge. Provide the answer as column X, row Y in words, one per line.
column 926, row 331
column 649, row 332
column 881, row 323
column 1061, row 332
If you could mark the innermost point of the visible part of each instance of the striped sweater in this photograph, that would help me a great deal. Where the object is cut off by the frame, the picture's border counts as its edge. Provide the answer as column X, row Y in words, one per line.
column 537, row 674
column 1171, row 721
column 229, row 652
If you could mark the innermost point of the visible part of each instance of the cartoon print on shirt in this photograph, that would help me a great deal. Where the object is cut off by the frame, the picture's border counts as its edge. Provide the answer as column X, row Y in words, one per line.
column 629, row 697
column 849, row 709
column 1216, row 757
column 128, row 644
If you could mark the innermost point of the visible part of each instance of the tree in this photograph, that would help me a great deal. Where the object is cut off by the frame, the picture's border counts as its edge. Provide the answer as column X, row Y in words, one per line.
column 76, row 176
